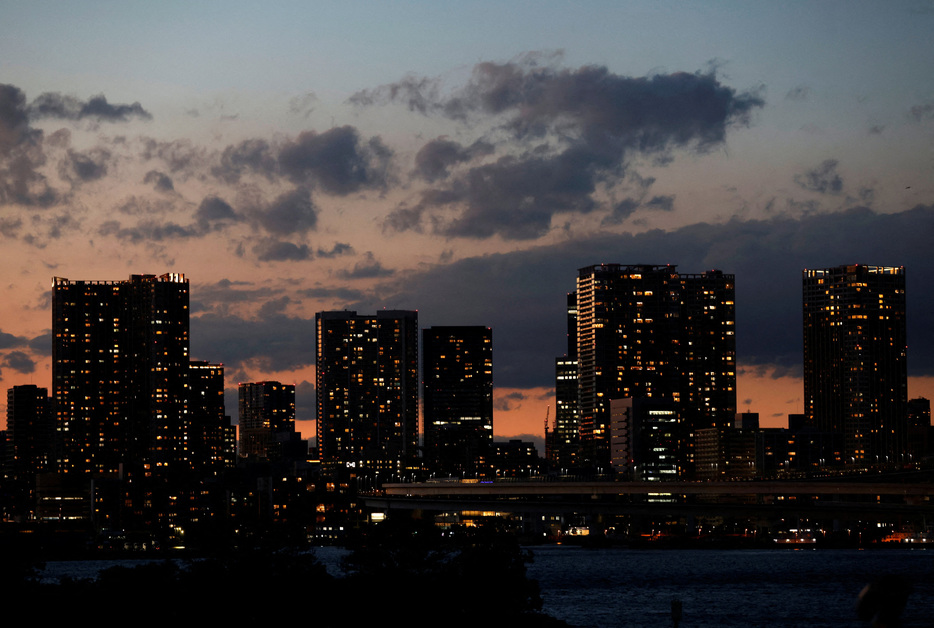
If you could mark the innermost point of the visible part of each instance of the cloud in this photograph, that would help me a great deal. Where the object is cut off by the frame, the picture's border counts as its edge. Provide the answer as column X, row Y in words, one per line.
column 59, row 106
column 9, row 341
column 160, row 181
column 272, row 250
column 339, row 248
column 276, row 342
column 577, row 128
column 434, row 160
column 337, row 160
column 291, row 212
column 823, row 178
column 661, row 203
column 83, row 167
column 21, row 154
column 214, row 210
column 252, row 155
column 368, row 268
column 19, row 362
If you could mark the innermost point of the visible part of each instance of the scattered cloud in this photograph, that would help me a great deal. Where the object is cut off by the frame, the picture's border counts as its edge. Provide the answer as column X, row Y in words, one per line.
column 823, row 178
column 59, row 106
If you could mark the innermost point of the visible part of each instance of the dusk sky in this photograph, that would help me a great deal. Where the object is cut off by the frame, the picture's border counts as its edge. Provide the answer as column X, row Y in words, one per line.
column 464, row 160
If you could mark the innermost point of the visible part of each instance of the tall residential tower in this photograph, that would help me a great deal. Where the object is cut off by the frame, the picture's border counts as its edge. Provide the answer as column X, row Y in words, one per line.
column 457, row 367
column 855, row 367
column 120, row 367
column 367, row 389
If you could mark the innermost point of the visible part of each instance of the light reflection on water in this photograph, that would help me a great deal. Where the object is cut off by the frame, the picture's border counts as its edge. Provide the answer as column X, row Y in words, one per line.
column 622, row 587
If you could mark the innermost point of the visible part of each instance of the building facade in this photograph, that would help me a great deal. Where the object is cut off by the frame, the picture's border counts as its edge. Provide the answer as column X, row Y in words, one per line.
column 367, row 390
column 646, row 331
column 267, row 419
column 31, row 430
column 120, row 367
column 457, row 398
column 855, row 360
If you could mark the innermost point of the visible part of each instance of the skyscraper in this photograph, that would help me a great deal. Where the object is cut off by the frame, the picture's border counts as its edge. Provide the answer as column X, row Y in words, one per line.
column 31, row 430
column 120, row 366
column 267, row 419
column 628, row 335
column 367, row 389
column 855, row 367
column 458, row 399
column 209, row 434
column 646, row 331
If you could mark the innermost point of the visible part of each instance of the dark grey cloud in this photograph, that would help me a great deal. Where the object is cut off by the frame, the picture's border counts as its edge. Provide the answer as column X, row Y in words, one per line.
column 435, row 159
column 9, row 341
column 276, row 342
column 252, row 155
column 291, row 212
column 580, row 128
column 214, row 210
column 338, row 160
column 60, row 106
column 662, row 203
column 19, row 362
column 181, row 157
column 160, row 181
column 339, row 248
column 81, row 167
column 218, row 296
column 368, row 268
column 767, row 257
column 21, row 154
column 272, row 250
column 305, row 409
column 42, row 344
column 149, row 231
column 823, row 178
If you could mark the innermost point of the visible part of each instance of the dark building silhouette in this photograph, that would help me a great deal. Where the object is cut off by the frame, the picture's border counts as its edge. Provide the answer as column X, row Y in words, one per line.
column 210, row 433
column 367, row 390
column 645, row 439
column 646, row 331
column 457, row 368
column 855, row 367
column 31, row 430
column 267, row 419
column 562, row 441
column 120, row 368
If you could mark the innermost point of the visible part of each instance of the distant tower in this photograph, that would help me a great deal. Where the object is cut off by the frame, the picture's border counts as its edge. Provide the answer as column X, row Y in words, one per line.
column 120, row 367
column 646, row 331
column 31, row 429
column 855, row 367
column 458, row 399
column 267, row 419
column 210, row 429
column 367, row 389
column 628, row 335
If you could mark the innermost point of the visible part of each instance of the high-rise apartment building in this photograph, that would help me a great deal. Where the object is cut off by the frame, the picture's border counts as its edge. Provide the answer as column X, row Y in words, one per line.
column 855, row 367
column 210, row 432
column 31, row 429
column 457, row 367
column 267, row 419
column 646, row 331
column 367, row 389
column 120, row 367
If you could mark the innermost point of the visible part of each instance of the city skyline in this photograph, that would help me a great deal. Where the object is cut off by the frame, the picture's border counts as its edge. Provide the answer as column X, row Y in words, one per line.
column 464, row 163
